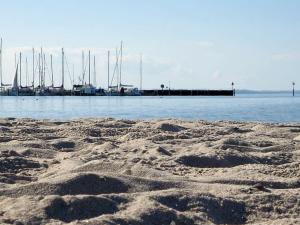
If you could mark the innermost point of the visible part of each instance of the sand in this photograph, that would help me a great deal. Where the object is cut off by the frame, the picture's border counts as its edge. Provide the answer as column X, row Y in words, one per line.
column 106, row 171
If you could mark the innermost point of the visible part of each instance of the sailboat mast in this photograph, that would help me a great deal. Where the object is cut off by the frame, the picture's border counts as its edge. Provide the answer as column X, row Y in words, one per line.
column 52, row 82
column 89, row 67
column 117, row 68
column 44, row 74
column 26, row 72
column 42, row 68
column 108, row 55
column 82, row 67
column 141, row 72
column 33, row 69
column 121, row 64
column 62, row 68
column 1, row 64
column 39, row 70
column 20, row 69
column 73, row 73
column 95, row 71
column 15, row 60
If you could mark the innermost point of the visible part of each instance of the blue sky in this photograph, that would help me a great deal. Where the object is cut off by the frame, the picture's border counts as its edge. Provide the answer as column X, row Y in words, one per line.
column 193, row 43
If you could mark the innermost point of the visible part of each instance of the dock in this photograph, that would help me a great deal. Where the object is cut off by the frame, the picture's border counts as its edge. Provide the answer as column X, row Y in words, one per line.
column 187, row 92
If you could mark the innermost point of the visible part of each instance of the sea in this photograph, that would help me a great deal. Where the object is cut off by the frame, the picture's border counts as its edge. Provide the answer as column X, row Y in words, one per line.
column 271, row 108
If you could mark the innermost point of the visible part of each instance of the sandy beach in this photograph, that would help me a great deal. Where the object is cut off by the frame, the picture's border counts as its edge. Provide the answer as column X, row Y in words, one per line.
column 106, row 171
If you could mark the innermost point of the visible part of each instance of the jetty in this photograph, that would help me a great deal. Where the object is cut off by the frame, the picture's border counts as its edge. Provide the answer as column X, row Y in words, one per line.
column 187, row 92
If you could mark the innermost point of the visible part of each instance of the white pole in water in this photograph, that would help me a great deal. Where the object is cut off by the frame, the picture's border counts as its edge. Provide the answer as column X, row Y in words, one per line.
column 62, row 67
column 33, row 68
column 95, row 81
column 82, row 67
column 1, row 63
column 89, row 67
column 52, row 81
column 141, row 72
column 108, row 55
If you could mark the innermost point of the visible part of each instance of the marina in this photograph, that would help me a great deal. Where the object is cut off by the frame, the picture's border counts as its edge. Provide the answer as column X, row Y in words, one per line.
column 37, row 86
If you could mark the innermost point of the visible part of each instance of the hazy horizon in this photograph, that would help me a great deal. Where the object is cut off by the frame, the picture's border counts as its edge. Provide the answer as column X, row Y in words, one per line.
column 192, row 44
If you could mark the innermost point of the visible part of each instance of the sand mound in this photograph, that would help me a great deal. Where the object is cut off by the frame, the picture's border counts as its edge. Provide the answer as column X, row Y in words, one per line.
column 79, row 208
column 17, row 164
column 78, row 184
column 168, row 127
column 219, row 159
column 9, row 153
column 231, row 158
column 91, row 184
column 60, row 144
column 217, row 210
column 97, row 166
column 34, row 144
column 121, row 168
column 161, row 216
column 9, row 178
column 39, row 153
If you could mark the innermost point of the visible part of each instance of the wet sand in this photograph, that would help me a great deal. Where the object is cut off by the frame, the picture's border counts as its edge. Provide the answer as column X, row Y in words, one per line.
column 106, row 171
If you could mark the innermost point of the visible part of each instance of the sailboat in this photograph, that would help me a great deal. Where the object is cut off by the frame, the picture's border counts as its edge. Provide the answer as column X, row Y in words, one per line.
column 14, row 90
column 89, row 89
column 120, row 89
column 3, row 90
column 56, row 90
column 77, row 88
column 24, row 90
column 86, row 88
column 53, row 90
column 113, row 90
column 129, row 90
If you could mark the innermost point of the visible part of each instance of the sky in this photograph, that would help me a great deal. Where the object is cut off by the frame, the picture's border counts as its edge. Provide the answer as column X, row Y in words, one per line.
column 205, row 44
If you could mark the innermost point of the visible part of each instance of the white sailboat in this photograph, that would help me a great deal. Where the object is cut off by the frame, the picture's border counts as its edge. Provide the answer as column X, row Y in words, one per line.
column 14, row 91
column 89, row 89
column 3, row 87
column 24, row 90
column 125, row 89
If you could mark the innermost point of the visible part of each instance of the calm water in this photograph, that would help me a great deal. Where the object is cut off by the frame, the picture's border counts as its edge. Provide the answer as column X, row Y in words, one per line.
column 267, row 108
